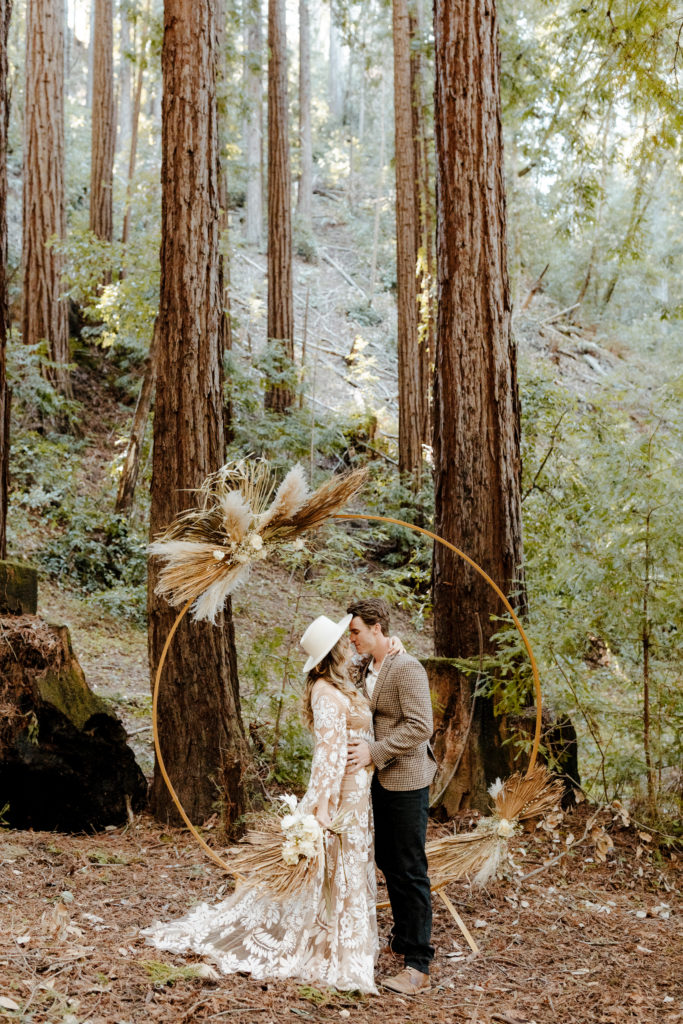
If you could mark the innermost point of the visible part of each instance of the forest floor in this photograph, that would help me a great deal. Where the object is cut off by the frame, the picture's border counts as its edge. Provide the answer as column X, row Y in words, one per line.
column 583, row 940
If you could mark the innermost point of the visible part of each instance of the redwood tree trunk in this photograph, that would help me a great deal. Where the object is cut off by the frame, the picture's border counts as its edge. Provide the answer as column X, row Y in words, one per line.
column 305, row 193
column 44, row 314
column 103, row 124
column 424, row 226
column 409, row 399
column 476, row 407
column 253, row 222
column 5, row 13
column 279, row 395
column 200, row 725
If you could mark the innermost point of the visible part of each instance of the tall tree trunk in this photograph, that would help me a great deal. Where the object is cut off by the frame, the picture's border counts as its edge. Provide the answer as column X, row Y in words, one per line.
column 335, row 85
column 135, row 123
column 409, row 400
column 305, row 194
column 279, row 395
column 5, row 14
column 200, row 725
column 91, row 54
column 424, row 227
column 253, row 71
column 125, row 76
column 103, row 124
column 223, row 200
column 476, row 407
column 131, row 463
column 44, row 313
column 379, row 199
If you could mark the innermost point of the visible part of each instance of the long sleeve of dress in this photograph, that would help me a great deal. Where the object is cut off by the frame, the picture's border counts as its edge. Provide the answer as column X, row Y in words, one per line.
column 329, row 754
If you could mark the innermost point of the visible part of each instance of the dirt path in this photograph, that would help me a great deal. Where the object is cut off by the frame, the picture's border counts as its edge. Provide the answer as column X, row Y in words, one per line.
column 582, row 942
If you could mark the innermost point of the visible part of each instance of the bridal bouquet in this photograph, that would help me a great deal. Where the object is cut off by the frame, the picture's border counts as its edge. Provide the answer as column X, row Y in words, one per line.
column 303, row 838
column 283, row 855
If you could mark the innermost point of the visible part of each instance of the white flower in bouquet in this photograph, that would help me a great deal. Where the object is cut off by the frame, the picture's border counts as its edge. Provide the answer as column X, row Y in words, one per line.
column 505, row 828
column 303, row 837
column 289, row 800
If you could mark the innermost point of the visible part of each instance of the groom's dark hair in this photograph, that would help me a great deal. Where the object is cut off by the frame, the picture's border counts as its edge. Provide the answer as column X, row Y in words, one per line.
column 373, row 610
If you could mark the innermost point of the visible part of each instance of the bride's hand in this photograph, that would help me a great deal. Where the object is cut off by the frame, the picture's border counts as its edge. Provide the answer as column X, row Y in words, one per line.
column 324, row 820
column 396, row 645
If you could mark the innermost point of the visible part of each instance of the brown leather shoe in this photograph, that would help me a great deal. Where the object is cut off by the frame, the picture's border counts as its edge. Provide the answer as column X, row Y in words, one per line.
column 409, row 982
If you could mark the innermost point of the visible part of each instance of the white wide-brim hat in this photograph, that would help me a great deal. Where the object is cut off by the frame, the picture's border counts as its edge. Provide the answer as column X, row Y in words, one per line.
column 320, row 638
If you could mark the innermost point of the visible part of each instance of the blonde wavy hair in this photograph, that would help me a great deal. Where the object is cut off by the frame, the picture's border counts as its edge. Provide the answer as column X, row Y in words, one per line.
column 333, row 669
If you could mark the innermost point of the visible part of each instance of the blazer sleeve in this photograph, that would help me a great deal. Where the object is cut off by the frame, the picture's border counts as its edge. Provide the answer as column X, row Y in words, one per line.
column 416, row 722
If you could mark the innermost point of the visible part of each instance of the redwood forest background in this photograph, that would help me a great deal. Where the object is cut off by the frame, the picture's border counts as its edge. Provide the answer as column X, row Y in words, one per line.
column 440, row 242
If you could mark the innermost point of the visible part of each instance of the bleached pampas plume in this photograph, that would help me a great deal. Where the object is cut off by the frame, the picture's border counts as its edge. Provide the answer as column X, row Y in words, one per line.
column 207, row 550
column 481, row 854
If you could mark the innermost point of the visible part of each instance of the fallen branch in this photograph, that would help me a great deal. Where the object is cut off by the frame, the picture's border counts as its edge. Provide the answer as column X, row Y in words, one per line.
column 340, row 270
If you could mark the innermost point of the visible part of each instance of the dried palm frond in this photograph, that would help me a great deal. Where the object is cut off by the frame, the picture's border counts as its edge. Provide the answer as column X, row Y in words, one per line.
column 528, row 796
column 482, row 854
column 324, row 502
column 258, row 861
column 207, row 550
column 291, row 495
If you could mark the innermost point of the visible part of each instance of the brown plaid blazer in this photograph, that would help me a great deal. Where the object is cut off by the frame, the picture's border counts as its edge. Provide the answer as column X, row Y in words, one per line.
column 402, row 715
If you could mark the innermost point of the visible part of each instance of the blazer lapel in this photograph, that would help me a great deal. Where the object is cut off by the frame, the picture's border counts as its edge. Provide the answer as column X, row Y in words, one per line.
column 381, row 678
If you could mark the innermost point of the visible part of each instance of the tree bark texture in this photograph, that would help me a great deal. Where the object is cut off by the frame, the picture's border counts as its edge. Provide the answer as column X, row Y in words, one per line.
column 279, row 395
column 200, row 725
column 44, row 313
column 424, row 226
column 409, row 398
column 5, row 14
column 103, row 124
column 476, row 407
column 305, row 193
column 253, row 71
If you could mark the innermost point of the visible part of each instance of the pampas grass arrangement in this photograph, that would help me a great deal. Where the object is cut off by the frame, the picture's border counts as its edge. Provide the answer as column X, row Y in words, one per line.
column 480, row 855
column 239, row 517
column 284, row 856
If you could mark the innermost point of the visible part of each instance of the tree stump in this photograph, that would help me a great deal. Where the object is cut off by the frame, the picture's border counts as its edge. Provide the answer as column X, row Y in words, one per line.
column 469, row 761
column 64, row 761
column 18, row 588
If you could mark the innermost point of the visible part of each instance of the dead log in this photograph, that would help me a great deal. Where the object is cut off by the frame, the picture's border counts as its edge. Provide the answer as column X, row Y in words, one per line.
column 64, row 761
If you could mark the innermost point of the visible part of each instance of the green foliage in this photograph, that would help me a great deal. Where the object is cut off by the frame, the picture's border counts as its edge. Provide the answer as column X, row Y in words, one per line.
column 603, row 553
column 35, row 400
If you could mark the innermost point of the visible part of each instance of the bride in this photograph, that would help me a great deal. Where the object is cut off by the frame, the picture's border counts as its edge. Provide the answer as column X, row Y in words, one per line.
column 326, row 934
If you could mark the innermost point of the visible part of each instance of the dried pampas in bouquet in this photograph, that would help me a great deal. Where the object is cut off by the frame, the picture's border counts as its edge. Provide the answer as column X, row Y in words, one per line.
column 208, row 549
column 480, row 855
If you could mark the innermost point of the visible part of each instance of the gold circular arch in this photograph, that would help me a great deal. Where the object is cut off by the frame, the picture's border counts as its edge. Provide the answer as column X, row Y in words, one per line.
column 371, row 518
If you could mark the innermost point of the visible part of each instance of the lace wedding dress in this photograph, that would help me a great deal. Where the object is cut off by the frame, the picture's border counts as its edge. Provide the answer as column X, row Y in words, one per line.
column 325, row 935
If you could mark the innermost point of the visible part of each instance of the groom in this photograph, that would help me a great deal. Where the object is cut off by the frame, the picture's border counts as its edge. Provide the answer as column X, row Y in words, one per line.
column 396, row 686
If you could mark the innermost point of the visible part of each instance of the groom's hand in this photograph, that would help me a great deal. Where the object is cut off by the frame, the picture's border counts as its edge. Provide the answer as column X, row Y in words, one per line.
column 357, row 755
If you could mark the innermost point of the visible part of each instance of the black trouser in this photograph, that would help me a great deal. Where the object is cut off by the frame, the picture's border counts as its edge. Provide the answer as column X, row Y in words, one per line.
column 400, row 832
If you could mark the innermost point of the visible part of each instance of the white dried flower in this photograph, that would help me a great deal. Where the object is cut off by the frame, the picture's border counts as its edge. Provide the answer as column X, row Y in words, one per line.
column 290, row 800
column 219, row 555
column 505, row 828
column 495, row 788
column 298, row 544
column 256, row 541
